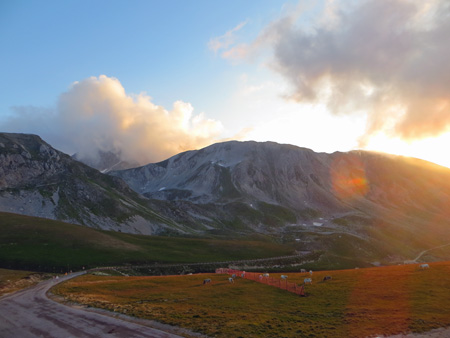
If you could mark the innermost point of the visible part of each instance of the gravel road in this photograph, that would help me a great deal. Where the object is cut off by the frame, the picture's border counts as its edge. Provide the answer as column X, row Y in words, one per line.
column 29, row 313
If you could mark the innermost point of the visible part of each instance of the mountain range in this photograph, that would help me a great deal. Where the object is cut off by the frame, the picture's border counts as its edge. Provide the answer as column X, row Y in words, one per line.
column 373, row 206
column 38, row 180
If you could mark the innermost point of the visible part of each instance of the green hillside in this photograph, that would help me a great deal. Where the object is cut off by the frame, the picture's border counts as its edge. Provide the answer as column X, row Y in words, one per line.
column 45, row 245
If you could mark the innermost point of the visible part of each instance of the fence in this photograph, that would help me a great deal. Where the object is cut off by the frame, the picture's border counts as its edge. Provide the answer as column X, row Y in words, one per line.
column 261, row 278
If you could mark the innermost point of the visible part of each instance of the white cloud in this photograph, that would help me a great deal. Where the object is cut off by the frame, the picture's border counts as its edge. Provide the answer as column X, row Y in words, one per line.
column 387, row 60
column 97, row 114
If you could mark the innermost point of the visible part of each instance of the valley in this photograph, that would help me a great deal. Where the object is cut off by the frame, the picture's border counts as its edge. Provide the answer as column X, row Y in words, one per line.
column 260, row 207
column 225, row 169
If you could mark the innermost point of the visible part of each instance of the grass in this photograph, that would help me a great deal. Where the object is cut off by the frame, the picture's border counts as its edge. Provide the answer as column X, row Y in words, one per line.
column 431, row 301
column 355, row 303
column 38, row 244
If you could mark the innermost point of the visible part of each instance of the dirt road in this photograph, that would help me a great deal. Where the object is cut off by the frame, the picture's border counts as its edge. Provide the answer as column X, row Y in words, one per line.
column 425, row 251
column 29, row 313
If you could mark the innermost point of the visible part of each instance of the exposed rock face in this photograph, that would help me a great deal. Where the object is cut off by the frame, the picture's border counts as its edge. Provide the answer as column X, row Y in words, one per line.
column 37, row 180
column 289, row 191
column 26, row 160
column 292, row 177
column 372, row 206
column 262, row 171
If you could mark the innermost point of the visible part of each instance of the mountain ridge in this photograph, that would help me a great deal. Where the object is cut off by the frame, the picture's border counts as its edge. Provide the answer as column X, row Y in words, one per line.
column 287, row 192
column 376, row 206
column 38, row 180
column 343, row 175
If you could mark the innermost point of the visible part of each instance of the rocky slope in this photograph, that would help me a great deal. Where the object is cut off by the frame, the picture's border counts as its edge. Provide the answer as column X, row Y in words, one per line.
column 293, row 177
column 346, row 207
column 366, row 199
column 38, row 180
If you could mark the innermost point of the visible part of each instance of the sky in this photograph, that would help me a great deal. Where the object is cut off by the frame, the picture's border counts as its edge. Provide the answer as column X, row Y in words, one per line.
column 149, row 79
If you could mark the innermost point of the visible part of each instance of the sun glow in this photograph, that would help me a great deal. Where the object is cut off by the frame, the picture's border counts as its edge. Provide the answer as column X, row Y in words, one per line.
column 429, row 149
column 310, row 126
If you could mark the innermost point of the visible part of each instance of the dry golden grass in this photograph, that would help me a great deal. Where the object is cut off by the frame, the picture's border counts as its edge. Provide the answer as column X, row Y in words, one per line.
column 355, row 303
column 13, row 280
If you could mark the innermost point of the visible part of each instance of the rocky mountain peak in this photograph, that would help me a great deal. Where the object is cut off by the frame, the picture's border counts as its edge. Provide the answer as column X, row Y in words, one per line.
column 25, row 159
column 301, row 186
column 350, row 204
column 38, row 180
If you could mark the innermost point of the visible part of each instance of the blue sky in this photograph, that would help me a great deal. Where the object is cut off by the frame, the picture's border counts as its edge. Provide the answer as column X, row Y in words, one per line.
column 160, row 47
column 327, row 75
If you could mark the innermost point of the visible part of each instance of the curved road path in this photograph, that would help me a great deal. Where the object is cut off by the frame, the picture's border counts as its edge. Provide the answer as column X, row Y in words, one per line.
column 29, row 313
column 425, row 251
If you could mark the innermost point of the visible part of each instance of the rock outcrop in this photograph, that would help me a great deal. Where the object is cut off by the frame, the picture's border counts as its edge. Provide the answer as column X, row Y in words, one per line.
column 38, row 180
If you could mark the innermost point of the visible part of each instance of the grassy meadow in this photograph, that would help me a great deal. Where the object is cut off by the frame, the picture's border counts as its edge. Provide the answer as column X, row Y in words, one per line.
column 355, row 303
column 38, row 244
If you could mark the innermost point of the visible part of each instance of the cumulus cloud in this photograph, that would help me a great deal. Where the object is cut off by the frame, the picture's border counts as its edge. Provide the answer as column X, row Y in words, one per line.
column 385, row 59
column 97, row 114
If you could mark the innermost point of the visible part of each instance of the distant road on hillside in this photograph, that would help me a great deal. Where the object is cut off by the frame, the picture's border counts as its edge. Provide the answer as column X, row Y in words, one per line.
column 29, row 313
column 425, row 251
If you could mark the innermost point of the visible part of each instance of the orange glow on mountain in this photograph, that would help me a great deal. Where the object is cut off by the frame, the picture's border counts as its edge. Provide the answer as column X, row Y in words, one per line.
column 348, row 178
